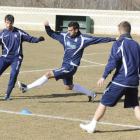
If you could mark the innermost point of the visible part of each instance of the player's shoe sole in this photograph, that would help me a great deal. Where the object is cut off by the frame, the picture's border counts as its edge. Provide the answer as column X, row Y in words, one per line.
column 91, row 98
column 22, row 87
column 87, row 127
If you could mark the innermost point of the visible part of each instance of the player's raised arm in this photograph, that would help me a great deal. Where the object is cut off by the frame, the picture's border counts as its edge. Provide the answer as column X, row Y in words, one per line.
column 55, row 35
column 89, row 40
column 46, row 23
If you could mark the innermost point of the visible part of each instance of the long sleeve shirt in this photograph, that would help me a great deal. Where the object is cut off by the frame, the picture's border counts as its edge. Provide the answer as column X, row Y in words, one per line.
column 125, row 58
column 12, row 41
column 74, row 47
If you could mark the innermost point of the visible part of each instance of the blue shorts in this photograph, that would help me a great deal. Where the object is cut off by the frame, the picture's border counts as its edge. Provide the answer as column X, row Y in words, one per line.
column 113, row 94
column 66, row 73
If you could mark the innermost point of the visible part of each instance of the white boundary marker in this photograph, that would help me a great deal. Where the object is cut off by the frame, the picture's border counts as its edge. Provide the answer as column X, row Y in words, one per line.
column 96, row 53
column 98, row 64
column 52, row 24
column 72, row 13
column 70, row 119
column 55, row 68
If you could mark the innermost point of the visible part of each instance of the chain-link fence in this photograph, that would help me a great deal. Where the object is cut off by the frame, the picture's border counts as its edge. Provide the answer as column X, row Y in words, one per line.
column 133, row 5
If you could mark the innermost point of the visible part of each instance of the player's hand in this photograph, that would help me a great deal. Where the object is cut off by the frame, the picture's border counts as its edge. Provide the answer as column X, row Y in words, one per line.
column 46, row 23
column 41, row 38
column 101, row 82
column 117, row 38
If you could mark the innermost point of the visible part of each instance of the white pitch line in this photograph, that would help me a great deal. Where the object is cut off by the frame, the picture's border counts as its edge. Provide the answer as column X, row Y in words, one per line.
column 30, row 71
column 93, row 65
column 53, row 69
column 92, row 62
column 98, row 64
column 70, row 119
column 96, row 53
column 56, row 68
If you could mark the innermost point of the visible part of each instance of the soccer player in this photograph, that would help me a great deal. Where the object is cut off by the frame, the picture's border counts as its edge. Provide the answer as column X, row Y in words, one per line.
column 74, row 44
column 125, row 58
column 11, row 39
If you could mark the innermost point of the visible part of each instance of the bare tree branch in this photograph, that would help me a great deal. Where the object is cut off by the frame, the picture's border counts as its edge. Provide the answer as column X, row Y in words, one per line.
column 76, row 4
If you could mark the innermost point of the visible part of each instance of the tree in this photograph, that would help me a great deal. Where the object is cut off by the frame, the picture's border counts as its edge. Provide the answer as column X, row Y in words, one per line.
column 76, row 4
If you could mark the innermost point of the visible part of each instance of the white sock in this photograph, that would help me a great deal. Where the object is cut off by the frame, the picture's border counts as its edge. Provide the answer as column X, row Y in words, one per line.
column 94, row 122
column 38, row 82
column 79, row 88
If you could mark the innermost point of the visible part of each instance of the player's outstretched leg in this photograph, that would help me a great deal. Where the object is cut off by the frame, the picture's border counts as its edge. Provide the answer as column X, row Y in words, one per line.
column 24, row 88
column 91, row 94
column 39, row 82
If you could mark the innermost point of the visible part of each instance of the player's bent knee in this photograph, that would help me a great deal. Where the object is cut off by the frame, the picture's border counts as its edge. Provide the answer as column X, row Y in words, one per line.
column 69, row 87
column 49, row 74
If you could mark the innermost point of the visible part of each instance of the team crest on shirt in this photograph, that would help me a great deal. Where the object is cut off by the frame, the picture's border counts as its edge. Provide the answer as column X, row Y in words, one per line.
column 71, row 46
column 15, row 35
column 76, row 40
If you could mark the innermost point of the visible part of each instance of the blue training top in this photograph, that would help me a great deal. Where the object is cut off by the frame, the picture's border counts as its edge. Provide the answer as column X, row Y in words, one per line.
column 12, row 41
column 125, row 57
column 74, row 47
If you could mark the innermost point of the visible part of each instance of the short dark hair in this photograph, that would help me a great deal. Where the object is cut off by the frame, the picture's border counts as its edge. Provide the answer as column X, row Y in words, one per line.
column 125, row 26
column 9, row 18
column 74, row 24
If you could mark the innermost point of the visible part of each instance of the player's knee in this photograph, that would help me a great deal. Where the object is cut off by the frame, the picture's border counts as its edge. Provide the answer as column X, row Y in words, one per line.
column 68, row 87
column 48, row 75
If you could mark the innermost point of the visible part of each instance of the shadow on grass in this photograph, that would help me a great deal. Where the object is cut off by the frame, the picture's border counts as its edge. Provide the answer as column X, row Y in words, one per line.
column 2, row 99
column 125, row 130
column 52, row 95
column 24, row 96
column 57, row 96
